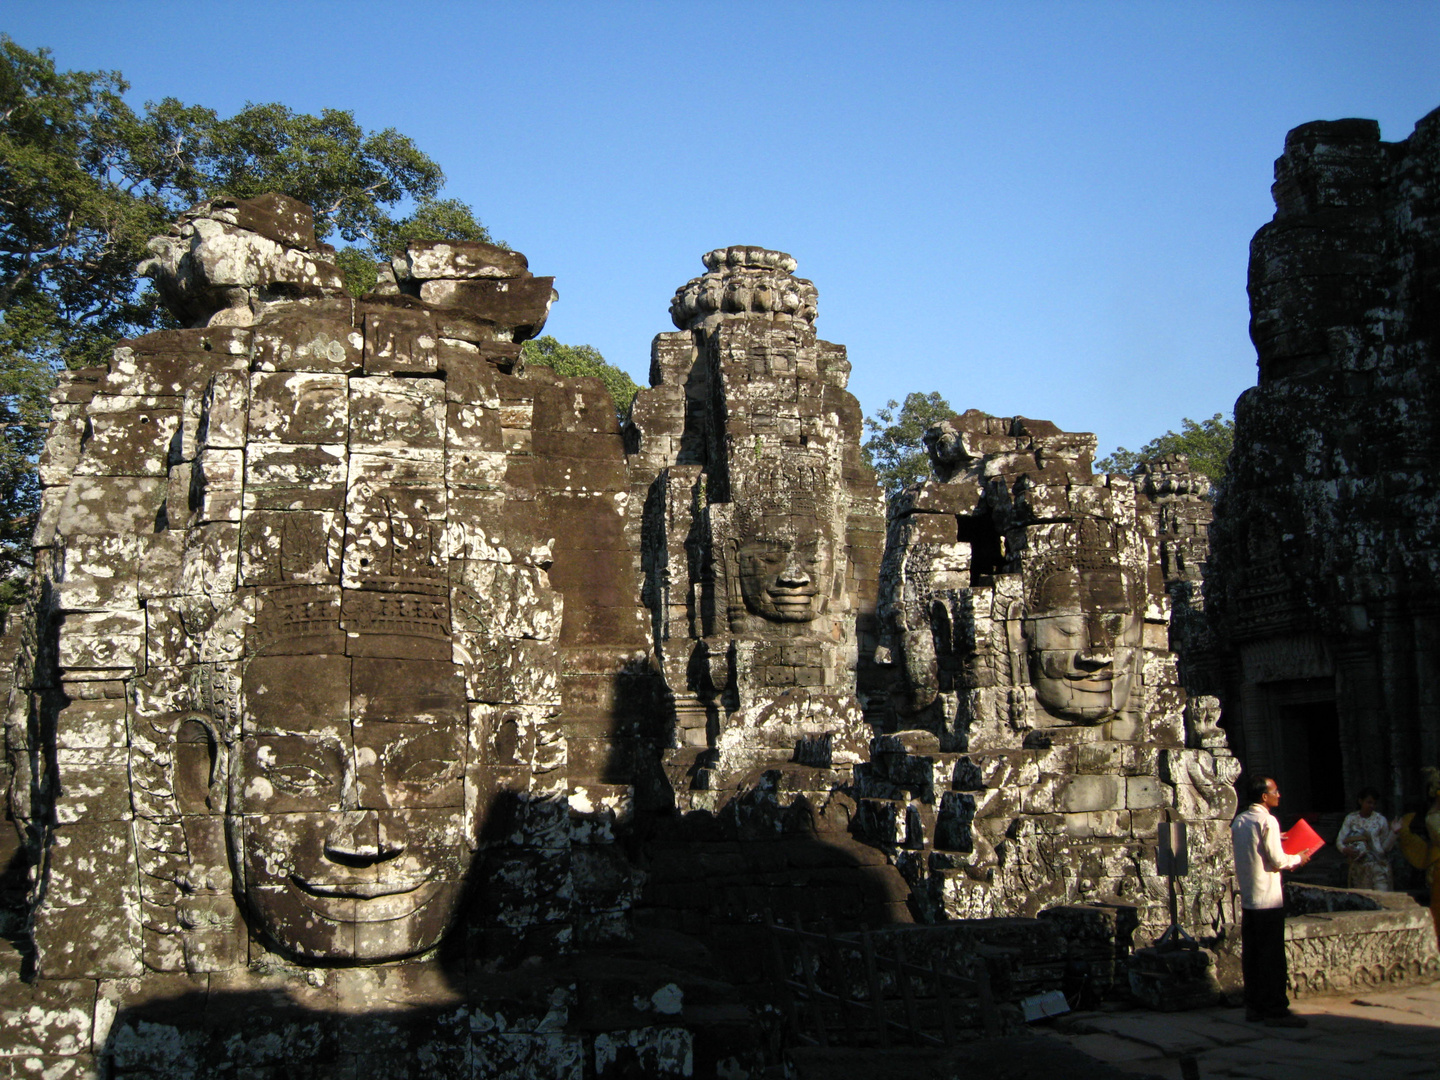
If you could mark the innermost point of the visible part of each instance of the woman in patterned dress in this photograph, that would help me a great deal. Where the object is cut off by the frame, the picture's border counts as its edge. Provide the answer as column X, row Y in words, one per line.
column 1365, row 838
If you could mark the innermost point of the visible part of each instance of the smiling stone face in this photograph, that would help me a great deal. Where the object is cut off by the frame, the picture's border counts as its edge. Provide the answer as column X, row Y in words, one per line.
column 347, row 798
column 785, row 573
column 1084, row 640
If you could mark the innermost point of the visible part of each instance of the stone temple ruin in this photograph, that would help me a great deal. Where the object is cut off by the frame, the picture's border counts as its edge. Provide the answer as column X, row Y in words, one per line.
column 1323, row 580
column 1042, row 734
column 381, row 700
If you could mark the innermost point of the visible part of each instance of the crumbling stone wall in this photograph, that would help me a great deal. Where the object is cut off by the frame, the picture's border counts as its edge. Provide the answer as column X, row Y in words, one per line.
column 1042, row 735
column 1323, row 567
column 1338, row 941
column 1181, row 501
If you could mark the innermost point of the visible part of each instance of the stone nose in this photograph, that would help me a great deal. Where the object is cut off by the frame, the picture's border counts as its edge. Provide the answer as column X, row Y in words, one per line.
column 363, row 790
column 355, row 842
column 1099, row 640
column 1099, row 648
column 794, row 575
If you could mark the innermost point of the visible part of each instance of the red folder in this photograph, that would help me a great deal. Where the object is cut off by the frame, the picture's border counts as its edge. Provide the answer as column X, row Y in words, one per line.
column 1300, row 839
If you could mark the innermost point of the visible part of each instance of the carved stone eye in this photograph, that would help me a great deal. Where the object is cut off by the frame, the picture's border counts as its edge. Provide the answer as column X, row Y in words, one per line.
column 428, row 770
column 299, row 779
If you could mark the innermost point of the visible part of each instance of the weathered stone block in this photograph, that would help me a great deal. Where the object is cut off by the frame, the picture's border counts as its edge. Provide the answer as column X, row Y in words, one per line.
column 130, row 443
column 393, row 531
column 223, row 413
column 209, row 564
column 98, row 572
column 85, row 723
column 50, row 1016
column 522, row 304
column 79, row 939
column 172, row 362
column 518, row 1056
column 1091, row 793
column 310, row 335
column 397, row 413
column 94, row 785
column 424, row 260
column 62, row 451
column 298, row 407
column 501, row 670
column 472, row 426
column 234, row 256
column 401, row 340
column 511, row 601
column 103, row 640
column 216, row 485
column 285, row 477
column 290, row 545
column 110, row 505
column 480, row 470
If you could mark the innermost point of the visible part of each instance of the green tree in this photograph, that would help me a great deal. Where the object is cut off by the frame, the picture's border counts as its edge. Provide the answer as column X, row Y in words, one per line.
column 895, row 450
column 1207, row 444
column 85, row 181
column 576, row 360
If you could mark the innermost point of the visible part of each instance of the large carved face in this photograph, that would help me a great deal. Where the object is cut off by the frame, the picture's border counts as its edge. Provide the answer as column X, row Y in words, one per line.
column 786, row 570
column 1084, row 639
column 347, row 803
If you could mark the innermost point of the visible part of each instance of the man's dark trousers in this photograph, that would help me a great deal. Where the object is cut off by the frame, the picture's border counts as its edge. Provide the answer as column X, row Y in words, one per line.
column 1262, row 959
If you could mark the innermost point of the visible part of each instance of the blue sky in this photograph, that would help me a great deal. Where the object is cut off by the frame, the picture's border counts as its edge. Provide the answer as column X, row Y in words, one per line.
column 1037, row 208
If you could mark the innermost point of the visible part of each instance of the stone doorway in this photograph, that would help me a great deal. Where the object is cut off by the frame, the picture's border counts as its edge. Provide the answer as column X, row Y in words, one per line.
column 1313, row 774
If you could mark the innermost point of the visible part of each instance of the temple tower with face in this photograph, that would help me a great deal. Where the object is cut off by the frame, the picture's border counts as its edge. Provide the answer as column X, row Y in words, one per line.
column 293, row 661
column 1041, row 735
column 762, row 534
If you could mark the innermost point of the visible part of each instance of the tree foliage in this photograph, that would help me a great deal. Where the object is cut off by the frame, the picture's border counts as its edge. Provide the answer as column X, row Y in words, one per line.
column 577, row 360
column 895, row 450
column 86, row 180
column 1207, row 444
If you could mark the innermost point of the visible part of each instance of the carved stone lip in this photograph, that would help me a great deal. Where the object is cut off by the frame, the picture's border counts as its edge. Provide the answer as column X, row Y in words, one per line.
column 358, row 890
column 366, row 902
column 794, row 597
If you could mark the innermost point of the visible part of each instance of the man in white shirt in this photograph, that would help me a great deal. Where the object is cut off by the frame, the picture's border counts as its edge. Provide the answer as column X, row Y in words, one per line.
column 1258, row 861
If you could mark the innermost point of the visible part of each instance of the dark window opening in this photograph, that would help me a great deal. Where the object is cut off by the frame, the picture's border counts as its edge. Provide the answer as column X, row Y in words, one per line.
column 986, row 554
column 1314, row 775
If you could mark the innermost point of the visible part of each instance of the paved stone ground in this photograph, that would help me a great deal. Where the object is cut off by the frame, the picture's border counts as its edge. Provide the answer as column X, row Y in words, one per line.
column 1385, row 1035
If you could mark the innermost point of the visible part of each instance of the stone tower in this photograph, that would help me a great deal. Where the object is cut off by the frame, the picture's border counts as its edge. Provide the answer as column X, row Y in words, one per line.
column 1325, row 552
column 762, row 533
column 1042, row 735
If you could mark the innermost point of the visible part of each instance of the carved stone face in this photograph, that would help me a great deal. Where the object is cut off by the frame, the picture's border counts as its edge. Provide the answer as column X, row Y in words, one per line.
column 347, row 803
column 786, row 571
column 1084, row 639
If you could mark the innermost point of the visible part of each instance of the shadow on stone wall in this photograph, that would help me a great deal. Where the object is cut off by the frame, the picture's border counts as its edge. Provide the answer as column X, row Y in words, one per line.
column 644, row 955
